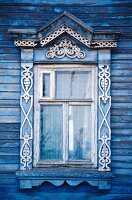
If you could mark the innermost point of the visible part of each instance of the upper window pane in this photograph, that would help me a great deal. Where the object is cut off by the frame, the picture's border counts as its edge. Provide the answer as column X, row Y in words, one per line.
column 72, row 85
column 46, row 85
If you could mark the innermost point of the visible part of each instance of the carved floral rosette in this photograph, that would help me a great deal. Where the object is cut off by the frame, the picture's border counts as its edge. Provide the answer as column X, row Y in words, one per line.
column 26, row 130
column 104, row 135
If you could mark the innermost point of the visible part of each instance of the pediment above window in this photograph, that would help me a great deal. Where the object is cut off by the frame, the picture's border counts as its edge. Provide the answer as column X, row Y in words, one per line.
column 65, row 24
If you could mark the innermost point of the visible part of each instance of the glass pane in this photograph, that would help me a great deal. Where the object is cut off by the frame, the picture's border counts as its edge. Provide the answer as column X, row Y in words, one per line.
column 46, row 85
column 51, row 132
column 72, row 85
column 79, row 132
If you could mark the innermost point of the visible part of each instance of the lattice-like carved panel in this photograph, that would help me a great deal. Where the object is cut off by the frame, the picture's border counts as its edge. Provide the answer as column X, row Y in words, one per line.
column 25, row 43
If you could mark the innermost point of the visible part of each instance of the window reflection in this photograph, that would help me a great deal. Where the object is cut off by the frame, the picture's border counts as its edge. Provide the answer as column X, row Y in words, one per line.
column 79, row 132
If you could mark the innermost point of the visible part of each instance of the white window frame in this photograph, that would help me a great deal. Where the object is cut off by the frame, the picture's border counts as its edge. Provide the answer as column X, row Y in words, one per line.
column 38, row 100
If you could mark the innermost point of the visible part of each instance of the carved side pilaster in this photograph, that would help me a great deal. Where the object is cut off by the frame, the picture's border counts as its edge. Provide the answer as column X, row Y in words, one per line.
column 26, row 103
column 104, row 131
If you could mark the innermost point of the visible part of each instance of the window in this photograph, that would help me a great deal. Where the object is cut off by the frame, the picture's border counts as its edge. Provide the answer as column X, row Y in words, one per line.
column 65, row 107
column 65, row 110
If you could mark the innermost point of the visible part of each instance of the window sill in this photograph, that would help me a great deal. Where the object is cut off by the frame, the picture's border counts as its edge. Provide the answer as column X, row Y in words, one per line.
column 58, row 175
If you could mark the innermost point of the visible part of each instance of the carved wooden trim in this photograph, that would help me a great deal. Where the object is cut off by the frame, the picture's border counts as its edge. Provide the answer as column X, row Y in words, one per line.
column 65, row 48
column 57, row 176
column 26, row 130
column 61, row 30
column 25, row 43
column 103, row 44
column 104, row 114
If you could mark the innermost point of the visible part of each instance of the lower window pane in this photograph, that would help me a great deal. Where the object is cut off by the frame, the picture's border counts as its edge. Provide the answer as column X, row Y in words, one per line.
column 79, row 132
column 51, row 132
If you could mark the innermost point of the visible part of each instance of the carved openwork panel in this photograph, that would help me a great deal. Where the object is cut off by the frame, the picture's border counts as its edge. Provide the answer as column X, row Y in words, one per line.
column 26, row 103
column 65, row 48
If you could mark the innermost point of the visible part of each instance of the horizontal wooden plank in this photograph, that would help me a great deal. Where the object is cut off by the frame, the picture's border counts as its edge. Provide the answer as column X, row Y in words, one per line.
column 122, row 138
column 10, row 119
column 121, row 105
column 10, row 159
column 8, row 168
column 9, row 143
column 121, row 125
column 119, row 86
column 121, row 119
column 121, row 152
column 93, row 22
column 10, row 88
column 9, row 151
column 10, row 95
column 46, row 8
column 10, row 66
column 122, row 145
column 43, row 15
column 9, row 111
column 10, row 79
column 9, row 135
column 9, row 72
column 10, row 103
column 121, row 112
column 12, row 127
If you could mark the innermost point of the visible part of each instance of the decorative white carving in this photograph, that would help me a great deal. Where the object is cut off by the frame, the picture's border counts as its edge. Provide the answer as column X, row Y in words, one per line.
column 104, row 81
column 65, row 48
column 78, row 36
column 26, row 81
column 26, row 152
column 102, row 44
column 26, row 130
column 25, row 43
column 61, row 30
column 104, row 126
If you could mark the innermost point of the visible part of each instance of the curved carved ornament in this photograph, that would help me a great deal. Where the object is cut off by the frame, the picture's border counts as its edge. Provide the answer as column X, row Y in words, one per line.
column 104, row 114
column 26, row 130
column 65, row 48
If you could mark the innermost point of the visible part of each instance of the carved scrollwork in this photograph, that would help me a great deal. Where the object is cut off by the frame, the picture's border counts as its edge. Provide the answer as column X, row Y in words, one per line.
column 26, row 103
column 65, row 48
column 104, row 115
column 26, row 82
column 26, row 152
column 104, row 81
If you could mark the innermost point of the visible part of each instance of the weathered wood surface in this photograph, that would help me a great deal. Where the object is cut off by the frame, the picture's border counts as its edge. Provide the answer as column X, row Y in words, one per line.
column 114, row 15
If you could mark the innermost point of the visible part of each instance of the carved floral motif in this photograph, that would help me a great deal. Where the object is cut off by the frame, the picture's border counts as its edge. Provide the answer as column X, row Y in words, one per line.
column 65, row 48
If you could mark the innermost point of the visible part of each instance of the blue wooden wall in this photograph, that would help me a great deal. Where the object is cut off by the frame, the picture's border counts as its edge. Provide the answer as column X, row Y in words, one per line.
column 107, row 14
